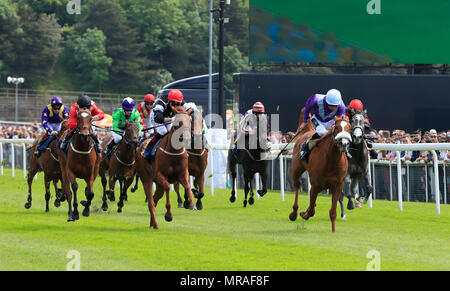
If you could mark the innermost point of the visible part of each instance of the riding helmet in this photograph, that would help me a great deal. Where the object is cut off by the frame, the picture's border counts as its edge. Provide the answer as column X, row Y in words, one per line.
column 84, row 101
column 333, row 97
column 258, row 107
column 128, row 104
column 356, row 104
column 56, row 102
column 149, row 98
column 175, row 95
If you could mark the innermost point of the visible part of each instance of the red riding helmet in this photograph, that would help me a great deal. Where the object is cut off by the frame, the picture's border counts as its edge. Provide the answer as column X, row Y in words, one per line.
column 149, row 98
column 175, row 95
column 356, row 104
column 258, row 107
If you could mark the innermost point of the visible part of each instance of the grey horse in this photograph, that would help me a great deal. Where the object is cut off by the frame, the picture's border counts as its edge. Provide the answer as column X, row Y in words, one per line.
column 358, row 164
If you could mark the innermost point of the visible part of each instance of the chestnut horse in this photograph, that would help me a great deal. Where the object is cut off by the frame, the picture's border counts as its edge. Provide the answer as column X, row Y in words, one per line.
column 82, row 162
column 49, row 163
column 170, row 166
column 327, row 165
column 197, row 162
column 121, row 166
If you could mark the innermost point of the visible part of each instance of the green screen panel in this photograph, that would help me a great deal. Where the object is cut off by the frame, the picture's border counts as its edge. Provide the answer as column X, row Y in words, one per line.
column 350, row 31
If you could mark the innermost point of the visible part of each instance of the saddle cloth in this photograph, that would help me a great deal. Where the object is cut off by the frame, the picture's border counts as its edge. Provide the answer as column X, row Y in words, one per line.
column 149, row 150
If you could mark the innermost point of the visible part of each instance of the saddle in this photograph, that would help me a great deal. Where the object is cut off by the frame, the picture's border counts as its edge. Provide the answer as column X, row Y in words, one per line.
column 149, row 150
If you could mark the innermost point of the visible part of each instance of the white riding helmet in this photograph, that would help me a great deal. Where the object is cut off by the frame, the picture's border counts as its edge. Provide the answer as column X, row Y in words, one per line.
column 333, row 97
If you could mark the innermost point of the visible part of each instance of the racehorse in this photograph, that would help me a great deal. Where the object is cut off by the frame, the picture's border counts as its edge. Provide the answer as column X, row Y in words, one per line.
column 197, row 162
column 252, row 161
column 327, row 165
column 83, row 162
column 358, row 165
column 169, row 166
column 121, row 166
column 49, row 163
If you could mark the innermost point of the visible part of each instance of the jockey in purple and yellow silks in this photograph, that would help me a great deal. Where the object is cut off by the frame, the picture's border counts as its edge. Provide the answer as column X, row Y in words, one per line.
column 52, row 117
column 323, row 109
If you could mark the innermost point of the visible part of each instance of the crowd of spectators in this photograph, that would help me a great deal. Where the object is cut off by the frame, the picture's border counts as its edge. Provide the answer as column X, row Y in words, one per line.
column 10, row 131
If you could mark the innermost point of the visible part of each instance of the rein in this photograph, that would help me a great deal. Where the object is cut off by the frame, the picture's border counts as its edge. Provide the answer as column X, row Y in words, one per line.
column 123, row 163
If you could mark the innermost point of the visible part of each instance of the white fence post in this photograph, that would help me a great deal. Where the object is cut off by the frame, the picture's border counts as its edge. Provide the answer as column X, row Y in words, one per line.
column 1, row 158
column 281, row 178
column 399, row 181
column 13, row 159
column 24, row 160
column 257, row 185
column 370, row 179
column 436, row 183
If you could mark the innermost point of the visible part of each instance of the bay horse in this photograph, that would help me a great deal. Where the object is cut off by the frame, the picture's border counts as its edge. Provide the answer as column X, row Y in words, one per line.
column 197, row 162
column 82, row 161
column 327, row 165
column 252, row 161
column 358, row 165
column 170, row 166
column 48, row 163
column 121, row 166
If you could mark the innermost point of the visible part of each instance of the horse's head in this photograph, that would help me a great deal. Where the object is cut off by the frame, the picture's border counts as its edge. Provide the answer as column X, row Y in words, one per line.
column 357, row 124
column 342, row 133
column 182, row 128
column 84, row 119
column 131, row 135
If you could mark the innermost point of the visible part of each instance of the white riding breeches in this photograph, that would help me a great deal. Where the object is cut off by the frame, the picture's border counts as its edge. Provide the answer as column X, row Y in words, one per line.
column 117, row 137
column 322, row 127
column 54, row 126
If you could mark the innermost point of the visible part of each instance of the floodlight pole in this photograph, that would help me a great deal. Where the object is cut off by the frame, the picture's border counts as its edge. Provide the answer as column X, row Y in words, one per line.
column 221, row 48
column 16, row 81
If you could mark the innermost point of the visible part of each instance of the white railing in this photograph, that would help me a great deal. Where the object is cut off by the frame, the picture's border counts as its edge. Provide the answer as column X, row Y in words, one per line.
column 276, row 148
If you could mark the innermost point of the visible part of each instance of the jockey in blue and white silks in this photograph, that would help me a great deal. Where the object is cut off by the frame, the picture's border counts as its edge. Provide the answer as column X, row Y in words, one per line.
column 323, row 109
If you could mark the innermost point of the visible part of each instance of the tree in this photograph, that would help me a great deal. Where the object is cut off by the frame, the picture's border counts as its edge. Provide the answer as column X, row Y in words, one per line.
column 87, row 56
column 10, row 31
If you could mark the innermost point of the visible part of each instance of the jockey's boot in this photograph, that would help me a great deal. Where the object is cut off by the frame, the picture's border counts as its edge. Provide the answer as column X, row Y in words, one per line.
column 308, row 146
column 96, row 143
column 40, row 148
column 109, row 149
column 67, row 138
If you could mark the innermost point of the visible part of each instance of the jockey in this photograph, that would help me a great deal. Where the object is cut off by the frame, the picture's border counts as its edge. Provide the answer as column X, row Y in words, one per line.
column 120, row 117
column 97, row 114
column 245, row 126
column 52, row 117
column 145, row 108
column 163, row 112
column 323, row 109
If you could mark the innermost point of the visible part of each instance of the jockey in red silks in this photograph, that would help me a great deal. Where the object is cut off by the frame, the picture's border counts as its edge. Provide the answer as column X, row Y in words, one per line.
column 145, row 108
column 83, row 102
column 356, row 104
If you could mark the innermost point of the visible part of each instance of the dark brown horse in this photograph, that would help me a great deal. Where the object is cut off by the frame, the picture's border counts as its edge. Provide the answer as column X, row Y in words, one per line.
column 327, row 165
column 82, row 162
column 49, row 163
column 121, row 166
column 197, row 162
column 170, row 166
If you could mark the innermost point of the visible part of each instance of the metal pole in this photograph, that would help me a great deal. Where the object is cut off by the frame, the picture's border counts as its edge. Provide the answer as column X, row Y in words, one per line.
column 210, row 58
column 426, row 183
column 445, row 184
column 221, row 48
column 436, row 183
column 281, row 177
column 17, row 103
column 399, row 181
column 390, row 181
column 24, row 161
column 370, row 179
column 13, row 159
column 407, row 181
column 1, row 158
column 374, row 182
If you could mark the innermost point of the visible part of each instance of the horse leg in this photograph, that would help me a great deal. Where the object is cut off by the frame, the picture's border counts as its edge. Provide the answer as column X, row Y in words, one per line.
column 122, row 195
column 200, row 184
column 312, row 204
column 74, row 186
column 369, row 188
column 336, row 192
column 47, row 192
column 176, row 187
column 112, row 185
column 184, row 180
column 58, row 193
column 353, row 190
column 168, row 216
column 341, row 203
column 296, row 179
column 135, row 187
column 251, row 200
column 151, row 204
column 32, row 170
column 104, row 198
column 263, row 191
column 247, row 181
column 232, row 169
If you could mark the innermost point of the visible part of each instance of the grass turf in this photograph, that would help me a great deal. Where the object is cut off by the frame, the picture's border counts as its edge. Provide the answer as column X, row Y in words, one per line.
column 223, row 236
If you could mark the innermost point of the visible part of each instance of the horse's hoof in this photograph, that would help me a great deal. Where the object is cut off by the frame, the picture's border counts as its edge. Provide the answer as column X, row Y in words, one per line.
column 47, row 210
column 293, row 216
column 70, row 219
column 119, row 210
column 83, row 202
column 76, row 215
column 168, row 218
column 186, row 204
column 63, row 198
column 304, row 215
column 350, row 206
column 105, row 207
column 86, row 212
column 27, row 205
column 57, row 203
column 133, row 190
column 180, row 205
column 199, row 205
column 344, row 217
column 261, row 193
column 192, row 207
column 232, row 199
column 251, row 200
column 245, row 203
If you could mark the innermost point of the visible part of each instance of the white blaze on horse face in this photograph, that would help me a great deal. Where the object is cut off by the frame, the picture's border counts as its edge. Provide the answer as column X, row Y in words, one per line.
column 343, row 134
column 84, row 115
column 357, row 132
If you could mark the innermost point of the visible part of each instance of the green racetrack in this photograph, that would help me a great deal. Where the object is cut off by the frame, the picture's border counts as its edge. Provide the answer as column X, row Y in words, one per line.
column 223, row 236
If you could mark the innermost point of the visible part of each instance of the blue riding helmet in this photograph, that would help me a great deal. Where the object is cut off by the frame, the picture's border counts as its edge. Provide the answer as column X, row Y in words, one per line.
column 333, row 97
column 128, row 104
column 56, row 102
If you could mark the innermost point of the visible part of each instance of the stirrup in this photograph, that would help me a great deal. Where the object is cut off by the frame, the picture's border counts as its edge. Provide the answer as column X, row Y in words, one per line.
column 37, row 153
